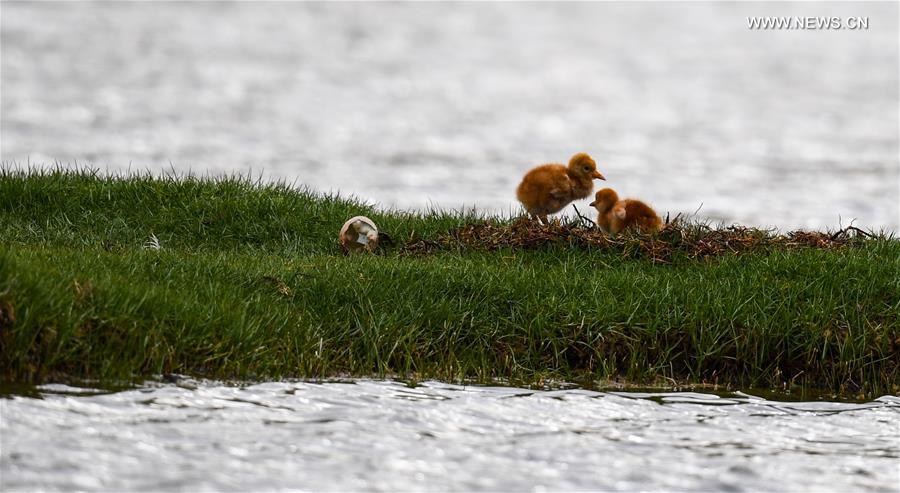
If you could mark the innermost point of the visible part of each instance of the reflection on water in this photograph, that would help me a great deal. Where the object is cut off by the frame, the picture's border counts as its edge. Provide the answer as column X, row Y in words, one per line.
column 443, row 104
column 382, row 435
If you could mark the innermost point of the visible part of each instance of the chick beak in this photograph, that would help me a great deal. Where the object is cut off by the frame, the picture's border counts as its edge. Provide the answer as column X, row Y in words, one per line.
column 592, row 204
column 597, row 176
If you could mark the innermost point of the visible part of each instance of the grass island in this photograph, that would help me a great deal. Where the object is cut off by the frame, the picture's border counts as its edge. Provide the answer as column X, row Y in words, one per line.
column 118, row 278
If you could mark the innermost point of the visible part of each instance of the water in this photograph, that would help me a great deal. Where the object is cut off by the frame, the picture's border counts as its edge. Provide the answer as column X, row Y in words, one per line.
column 447, row 105
column 383, row 435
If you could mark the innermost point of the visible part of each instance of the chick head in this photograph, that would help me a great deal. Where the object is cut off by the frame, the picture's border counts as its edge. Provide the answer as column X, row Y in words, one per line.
column 605, row 199
column 583, row 165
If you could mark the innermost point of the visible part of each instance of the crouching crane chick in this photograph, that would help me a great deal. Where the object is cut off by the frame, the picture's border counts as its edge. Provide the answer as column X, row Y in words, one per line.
column 548, row 188
column 614, row 215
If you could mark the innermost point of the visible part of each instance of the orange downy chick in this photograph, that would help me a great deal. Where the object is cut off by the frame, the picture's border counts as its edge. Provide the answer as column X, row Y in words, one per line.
column 548, row 188
column 614, row 215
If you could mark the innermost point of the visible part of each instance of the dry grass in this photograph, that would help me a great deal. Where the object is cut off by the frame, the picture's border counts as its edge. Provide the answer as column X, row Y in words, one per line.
column 689, row 240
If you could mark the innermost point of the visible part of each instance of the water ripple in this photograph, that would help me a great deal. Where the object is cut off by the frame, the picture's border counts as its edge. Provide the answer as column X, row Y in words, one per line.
column 384, row 435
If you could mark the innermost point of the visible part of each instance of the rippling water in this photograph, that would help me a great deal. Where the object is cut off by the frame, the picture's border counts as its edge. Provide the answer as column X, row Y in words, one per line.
column 383, row 435
column 413, row 105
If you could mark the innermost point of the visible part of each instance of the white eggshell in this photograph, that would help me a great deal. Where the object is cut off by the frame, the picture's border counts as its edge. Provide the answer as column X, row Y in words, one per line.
column 353, row 240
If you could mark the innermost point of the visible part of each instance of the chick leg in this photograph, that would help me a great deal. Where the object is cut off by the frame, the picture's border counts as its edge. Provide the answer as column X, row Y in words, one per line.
column 537, row 216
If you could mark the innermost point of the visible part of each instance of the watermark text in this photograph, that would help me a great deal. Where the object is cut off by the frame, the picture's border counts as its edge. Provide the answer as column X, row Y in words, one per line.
column 809, row 23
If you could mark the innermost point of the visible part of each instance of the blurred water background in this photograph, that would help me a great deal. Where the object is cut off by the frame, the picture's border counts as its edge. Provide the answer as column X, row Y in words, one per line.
column 387, row 436
column 448, row 104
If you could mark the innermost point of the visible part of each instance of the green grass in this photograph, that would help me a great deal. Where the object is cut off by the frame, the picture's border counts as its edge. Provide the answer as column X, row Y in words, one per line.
column 249, row 283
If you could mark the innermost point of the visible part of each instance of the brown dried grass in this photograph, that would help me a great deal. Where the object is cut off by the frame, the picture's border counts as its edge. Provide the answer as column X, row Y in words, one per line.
column 690, row 240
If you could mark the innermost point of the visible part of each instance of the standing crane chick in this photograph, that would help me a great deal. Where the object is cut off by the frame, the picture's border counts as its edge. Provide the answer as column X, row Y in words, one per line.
column 615, row 215
column 548, row 188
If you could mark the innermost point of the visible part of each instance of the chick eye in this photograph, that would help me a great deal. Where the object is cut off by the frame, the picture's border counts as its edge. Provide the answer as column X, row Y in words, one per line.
column 587, row 168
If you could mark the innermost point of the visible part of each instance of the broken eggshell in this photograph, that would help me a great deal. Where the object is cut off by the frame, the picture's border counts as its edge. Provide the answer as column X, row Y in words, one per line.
column 359, row 234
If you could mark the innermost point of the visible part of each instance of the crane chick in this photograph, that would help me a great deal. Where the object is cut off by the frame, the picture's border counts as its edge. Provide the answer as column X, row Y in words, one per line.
column 614, row 215
column 548, row 188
